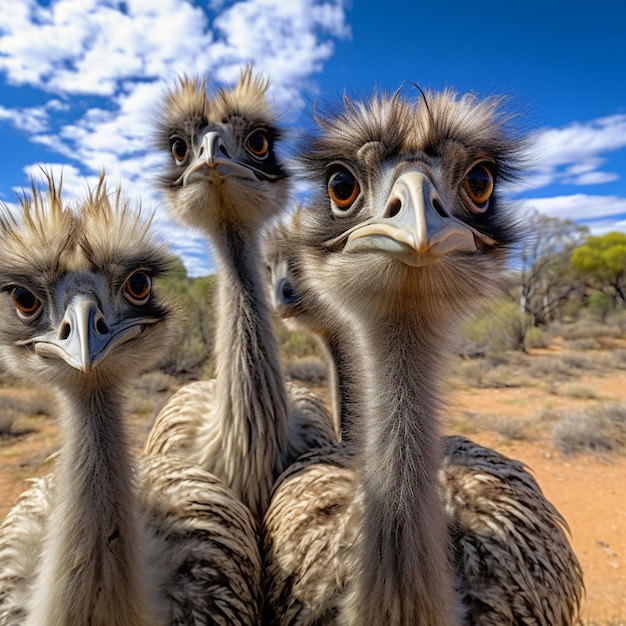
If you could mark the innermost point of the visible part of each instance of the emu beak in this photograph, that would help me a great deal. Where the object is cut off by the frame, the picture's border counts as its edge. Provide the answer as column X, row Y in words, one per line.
column 84, row 338
column 414, row 226
column 213, row 160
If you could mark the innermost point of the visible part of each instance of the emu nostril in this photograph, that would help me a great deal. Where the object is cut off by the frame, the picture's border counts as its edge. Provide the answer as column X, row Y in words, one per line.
column 101, row 326
column 439, row 207
column 223, row 150
column 64, row 331
column 393, row 208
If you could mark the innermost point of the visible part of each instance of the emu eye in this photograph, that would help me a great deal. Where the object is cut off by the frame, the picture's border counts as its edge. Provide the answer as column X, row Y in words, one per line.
column 286, row 291
column 343, row 189
column 138, row 287
column 27, row 304
column 258, row 144
column 179, row 149
column 478, row 183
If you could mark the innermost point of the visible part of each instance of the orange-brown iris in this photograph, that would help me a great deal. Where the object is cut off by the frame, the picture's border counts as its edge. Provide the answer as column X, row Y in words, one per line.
column 179, row 149
column 479, row 183
column 26, row 302
column 258, row 143
column 343, row 188
column 137, row 287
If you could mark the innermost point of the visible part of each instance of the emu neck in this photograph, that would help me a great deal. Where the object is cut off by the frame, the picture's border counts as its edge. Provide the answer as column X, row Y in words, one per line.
column 405, row 576
column 252, row 401
column 91, row 564
column 342, row 382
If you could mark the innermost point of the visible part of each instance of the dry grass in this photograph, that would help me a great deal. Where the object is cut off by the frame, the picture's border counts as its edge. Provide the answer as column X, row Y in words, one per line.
column 512, row 429
column 582, row 392
column 15, row 424
column 17, row 413
column 33, row 403
column 582, row 344
column 600, row 429
column 586, row 329
column 496, row 370
column 151, row 392
column 310, row 370
column 616, row 359
column 469, row 423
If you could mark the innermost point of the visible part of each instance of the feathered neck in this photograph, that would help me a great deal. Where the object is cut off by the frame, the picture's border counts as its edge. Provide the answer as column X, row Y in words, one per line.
column 338, row 347
column 252, row 397
column 92, row 569
column 405, row 575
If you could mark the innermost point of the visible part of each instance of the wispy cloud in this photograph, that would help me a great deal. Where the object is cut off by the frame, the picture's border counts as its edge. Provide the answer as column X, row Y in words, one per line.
column 576, row 154
column 580, row 207
column 28, row 119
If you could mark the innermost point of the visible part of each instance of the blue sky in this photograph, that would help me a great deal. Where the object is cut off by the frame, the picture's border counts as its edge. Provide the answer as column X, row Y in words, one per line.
column 79, row 80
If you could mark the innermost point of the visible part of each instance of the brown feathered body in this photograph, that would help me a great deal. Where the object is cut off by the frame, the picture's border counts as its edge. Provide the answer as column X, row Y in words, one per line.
column 224, row 178
column 406, row 234
column 106, row 539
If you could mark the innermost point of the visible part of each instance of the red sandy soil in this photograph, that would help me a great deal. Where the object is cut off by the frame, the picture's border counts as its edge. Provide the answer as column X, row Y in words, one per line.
column 587, row 489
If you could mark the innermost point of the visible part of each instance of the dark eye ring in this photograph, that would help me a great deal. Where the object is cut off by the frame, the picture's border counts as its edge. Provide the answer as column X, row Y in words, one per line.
column 479, row 185
column 138, row 287
column 343, row 188
column 27, row 305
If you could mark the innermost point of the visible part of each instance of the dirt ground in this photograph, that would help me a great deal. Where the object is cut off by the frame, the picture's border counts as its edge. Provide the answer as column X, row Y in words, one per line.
column 589, row 490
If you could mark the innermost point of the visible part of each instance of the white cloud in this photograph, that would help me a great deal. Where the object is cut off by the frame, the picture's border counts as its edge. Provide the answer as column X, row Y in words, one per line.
column 580, row 207
column 572, row 154
column 90, row 46
column 29, row 119
column 593, row 178
column 289, row 40
column 601, row 227
column 608, row 226
column 580, row 141
column 93, row 46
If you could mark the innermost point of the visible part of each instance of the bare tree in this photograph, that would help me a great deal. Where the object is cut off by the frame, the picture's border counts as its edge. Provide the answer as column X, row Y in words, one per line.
column 546, row 279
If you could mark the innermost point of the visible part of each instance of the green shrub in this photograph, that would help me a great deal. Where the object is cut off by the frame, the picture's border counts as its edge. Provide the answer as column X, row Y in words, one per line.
column 600, row 304
column 535, row 337
column 194, row 344
column 298, row 346
column 500, row 326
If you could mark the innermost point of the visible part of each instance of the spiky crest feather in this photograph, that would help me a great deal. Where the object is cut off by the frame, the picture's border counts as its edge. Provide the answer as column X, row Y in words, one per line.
column 135, row 244
column 247, row 99
column 42, row 236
